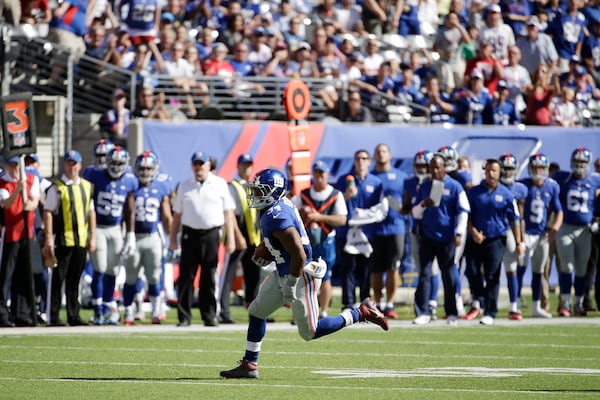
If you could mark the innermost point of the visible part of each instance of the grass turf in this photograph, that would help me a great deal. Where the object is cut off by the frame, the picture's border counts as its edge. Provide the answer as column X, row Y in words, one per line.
column 512, row 360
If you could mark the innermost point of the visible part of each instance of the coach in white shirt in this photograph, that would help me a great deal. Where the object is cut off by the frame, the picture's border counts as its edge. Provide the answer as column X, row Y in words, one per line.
column 202, row 206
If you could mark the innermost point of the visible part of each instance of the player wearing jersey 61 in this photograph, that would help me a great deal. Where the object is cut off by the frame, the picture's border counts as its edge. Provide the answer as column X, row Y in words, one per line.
column 295, row 281
column 578, row 192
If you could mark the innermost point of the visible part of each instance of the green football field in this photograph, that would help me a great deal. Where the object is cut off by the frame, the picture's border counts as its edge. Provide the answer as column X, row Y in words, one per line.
column 529, row 359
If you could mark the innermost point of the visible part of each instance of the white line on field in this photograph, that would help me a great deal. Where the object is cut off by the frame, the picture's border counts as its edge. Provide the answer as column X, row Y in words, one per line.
column 259, row 383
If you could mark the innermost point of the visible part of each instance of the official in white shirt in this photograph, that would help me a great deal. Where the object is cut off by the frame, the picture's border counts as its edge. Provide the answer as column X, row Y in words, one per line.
column 202, row 206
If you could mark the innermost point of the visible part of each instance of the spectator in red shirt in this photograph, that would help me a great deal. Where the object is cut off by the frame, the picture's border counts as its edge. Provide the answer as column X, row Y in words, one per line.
column 539, row 96
column 486, row 62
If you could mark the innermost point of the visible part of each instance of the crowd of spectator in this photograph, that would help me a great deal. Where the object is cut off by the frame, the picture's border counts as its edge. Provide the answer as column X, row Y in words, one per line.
column 351, row 44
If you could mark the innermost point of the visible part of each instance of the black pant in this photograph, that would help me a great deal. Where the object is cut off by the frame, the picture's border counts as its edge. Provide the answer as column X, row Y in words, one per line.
column 355, row 271
column 71, row 261
column 198, row 247
column 593, row 271
column 444, row 252
column 16, row 279
column 251, row 278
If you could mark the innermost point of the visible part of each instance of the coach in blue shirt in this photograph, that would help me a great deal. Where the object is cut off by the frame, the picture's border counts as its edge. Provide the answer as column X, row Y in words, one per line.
column 361, row 190
column 442, row 224
column 493, row 207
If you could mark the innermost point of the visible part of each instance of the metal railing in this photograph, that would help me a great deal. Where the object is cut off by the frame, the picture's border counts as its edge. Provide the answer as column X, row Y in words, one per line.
column 45, row 68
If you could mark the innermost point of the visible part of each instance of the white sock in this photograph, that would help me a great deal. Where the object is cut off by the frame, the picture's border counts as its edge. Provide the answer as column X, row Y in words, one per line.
column 475, row 304
column 537, row 305
column 566, row 300
column 513, row 307
column 389, row 306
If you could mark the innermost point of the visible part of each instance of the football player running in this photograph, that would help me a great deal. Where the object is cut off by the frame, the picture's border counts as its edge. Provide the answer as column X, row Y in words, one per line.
column 113, row 201
column 542, row 197
column 513, row 265
column 295, row 281
column 578, row 192
column 152, row 206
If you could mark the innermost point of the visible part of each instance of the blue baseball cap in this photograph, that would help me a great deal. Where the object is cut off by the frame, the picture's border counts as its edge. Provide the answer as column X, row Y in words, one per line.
column 245, row 158
column 72, row 155
column 320, row 165
column 13, row 159
column 199, row 156
column 34, row 157
column 167, row 16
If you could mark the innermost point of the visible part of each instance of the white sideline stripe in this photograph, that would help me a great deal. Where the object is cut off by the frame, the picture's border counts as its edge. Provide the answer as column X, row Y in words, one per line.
column 474, row 327
column 405, row 342
column 288, row 353
column 256, row 383
column 442, row 371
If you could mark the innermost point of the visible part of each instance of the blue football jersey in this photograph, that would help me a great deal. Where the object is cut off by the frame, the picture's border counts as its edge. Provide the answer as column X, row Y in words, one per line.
column 439, row 223
column 393, row 185
column 148, row 200
column 411, row 187
column 577, row 196
column 537, row 202
column 167, row 181
column 280, row 216
column 110, row 195
column 142, row 14
column 490, row 209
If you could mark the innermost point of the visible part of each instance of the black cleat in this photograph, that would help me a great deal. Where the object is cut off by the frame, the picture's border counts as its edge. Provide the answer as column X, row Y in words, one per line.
column 245, row 370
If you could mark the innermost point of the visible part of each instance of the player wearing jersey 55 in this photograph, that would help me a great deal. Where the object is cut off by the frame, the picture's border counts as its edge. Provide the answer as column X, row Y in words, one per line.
column 295, row 281
column 113, row 202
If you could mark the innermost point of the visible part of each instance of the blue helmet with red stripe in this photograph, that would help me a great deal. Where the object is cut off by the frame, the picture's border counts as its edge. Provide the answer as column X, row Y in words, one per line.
column 535, row 161
column 581, row 158
column 146, row 166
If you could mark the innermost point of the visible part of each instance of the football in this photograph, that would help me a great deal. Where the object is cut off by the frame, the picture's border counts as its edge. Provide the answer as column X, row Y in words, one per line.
column 263, row 252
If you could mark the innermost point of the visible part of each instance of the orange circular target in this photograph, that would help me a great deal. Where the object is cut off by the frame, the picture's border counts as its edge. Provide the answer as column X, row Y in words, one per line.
column 296, row 99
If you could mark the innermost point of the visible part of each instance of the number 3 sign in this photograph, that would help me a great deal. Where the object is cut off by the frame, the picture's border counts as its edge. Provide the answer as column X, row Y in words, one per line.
column 18, row 125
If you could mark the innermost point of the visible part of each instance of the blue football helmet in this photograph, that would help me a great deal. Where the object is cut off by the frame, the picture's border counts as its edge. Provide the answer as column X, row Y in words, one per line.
column 538, row 160
column 146, row 166
column 451, row 157
column 267, row 187
column 581, row 159
column 508, row 165
column 117, row 160
column 421, row 163
column 101, row 149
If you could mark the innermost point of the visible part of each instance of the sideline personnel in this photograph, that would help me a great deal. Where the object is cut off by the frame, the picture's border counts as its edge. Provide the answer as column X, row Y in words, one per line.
column 202, row 206
column 69, row 214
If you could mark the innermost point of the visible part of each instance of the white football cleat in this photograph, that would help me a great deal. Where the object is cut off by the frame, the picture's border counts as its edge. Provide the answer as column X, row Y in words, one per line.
column 540, row 313
column 422, row 320
column 487, row 320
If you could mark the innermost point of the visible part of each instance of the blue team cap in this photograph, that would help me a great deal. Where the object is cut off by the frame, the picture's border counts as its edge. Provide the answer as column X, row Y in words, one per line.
column 199, row 156
column 72, row 155
column 580, row 70
column 167, row 16
column 245, row 158
column 320, row 165
column 34, row 157
column 13, row 159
